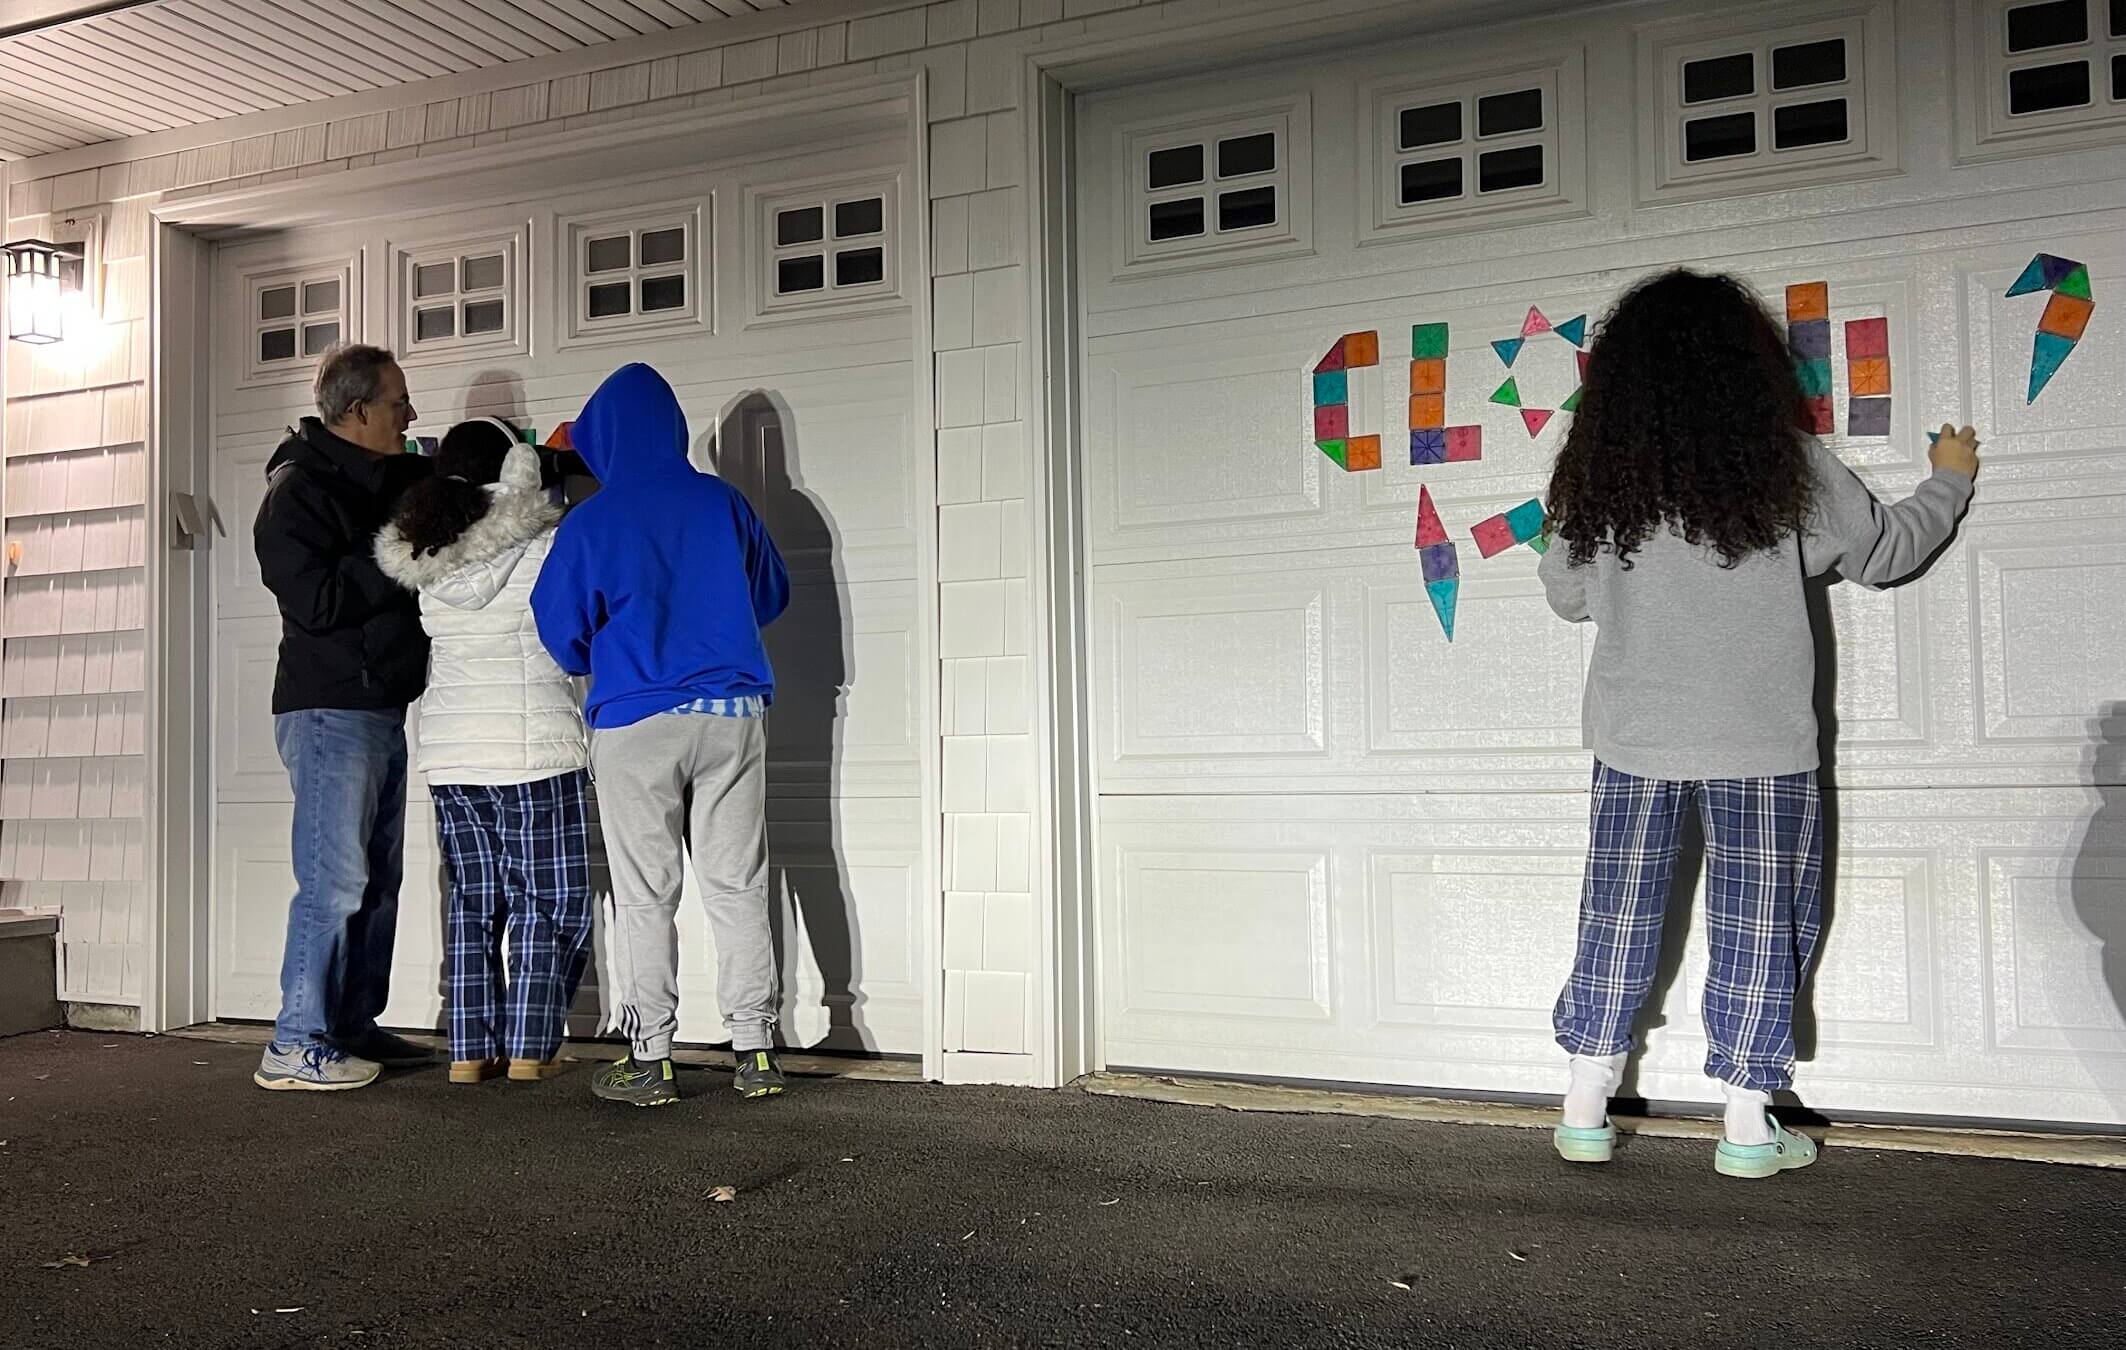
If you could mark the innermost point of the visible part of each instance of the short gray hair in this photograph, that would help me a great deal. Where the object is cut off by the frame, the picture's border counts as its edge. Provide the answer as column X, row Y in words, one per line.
column 351, row 373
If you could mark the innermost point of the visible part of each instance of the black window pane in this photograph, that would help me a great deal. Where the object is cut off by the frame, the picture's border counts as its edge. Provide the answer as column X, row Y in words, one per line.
column 1247, row 154
column 867, row 216
column 860, row 267
column 1805, row 124
column 805, row 225
column 276, row 344
column 663, row 246
column 610, row 299
column 1505, row 114
column 1719, row 137
column 808, row 273
column 319, row 337
column 609, row 254
column 320, row 297
column 1719, row 77
column 1431, row 180
column 2044, row 88
column 1175, row 167
column 278, row 303
column 430, row 324
column 2058, row 23
column 663, row 293
column 1177, row 220
column 1810, row 63
column 483, row 316
column 1433, row 124
column 2118, row 75
column 1249, row 209
column 2118, row 18
column 1504, row 170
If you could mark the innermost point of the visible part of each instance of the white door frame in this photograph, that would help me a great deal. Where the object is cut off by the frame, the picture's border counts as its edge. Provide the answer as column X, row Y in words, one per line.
column 180, row 611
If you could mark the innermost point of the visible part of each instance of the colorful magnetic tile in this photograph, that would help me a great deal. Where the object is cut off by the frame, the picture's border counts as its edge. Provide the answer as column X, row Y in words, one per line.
column 1428, row 411
column 2075, row 283
column 1335, row 450
column 1332, row 422
column 1361, row 453
column 1428, row 376
column 2055, row 267
column 1583, row 367
column 1535, row 419
column 1465, row 445
column 1361, row 349
column 2065, row 316
column 1867, row 339
column 1809, row 340
column 1868, row 417
column 1509, row 349
column 1818, row 415
column 1508, row 393
column 1428, row 342
column 1815, row 377
column 1429, row 530
column 1443, row 597
column 2032, row 279
column 1332, row 386
column 1572, row 402
column 1428, row 445
column 1334, row 360
column 1493, row 536
column 562, row 438
column 1535, row 323
column 1439, row 562
column 2047, row 353
column 1574, row 330
column 1807, row 301
column 1526, row 520
column 1868, row 377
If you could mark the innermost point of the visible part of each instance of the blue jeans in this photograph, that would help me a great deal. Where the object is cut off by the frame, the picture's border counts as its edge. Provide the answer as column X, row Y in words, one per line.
column 348, row 768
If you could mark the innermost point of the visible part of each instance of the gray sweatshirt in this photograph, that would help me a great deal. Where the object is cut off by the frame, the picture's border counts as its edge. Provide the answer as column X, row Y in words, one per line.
column 1701, row 671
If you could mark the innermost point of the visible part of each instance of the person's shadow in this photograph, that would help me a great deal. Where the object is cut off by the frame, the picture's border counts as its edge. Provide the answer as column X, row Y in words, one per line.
column 2099, row 874
column 755, row 449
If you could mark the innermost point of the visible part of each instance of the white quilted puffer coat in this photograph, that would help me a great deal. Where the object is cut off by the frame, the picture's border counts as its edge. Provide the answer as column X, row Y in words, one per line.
column 498, row 710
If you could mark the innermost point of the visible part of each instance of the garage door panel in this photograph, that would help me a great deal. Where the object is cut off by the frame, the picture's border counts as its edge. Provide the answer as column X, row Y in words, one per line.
column 1430, row 697
column 2084, row 406
column 846, row 681
column 1226, row 667
column 2050, row 631
column 1471, row 940
column 2054, row 968
column 1187, row 458
column 1228, row 932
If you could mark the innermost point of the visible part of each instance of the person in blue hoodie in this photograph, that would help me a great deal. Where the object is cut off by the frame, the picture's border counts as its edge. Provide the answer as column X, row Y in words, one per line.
column 657, row 589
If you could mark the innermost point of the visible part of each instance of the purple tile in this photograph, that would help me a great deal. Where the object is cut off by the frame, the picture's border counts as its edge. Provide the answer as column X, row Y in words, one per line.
column 1867, row 417
column 1428, row 447
column 1439, row 562
column 1810, row 339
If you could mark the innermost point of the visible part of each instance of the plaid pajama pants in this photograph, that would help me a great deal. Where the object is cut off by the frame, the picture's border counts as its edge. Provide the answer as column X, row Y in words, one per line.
column 518, row 866
column 1764, row 913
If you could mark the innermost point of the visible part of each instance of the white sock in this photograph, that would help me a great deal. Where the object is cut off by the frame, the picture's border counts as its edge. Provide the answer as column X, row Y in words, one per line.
column 1594, row 1077
column 1747, row 1122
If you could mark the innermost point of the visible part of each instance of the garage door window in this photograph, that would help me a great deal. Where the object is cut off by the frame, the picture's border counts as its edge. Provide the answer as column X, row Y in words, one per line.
column 2061, row 60
column 1446, row 150
column 831, row 246
column 1212, row 186
column 1767, row 101
column 295, row 317
column 460, row 300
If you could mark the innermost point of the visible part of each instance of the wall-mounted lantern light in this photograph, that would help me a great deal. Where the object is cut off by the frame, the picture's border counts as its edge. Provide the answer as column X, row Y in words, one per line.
column 37, row 278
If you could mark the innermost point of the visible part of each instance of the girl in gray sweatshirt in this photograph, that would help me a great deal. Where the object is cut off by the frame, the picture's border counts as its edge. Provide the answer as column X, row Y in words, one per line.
column 1687, row 514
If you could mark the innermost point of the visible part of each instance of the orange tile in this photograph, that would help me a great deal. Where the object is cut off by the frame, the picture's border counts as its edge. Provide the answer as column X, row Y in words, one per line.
column 1428, row 377
column 1361, row 349
column 1361, row 452
column 1869, row 378
column 2066, row 316
column 1810, row 300
column 1428, row 411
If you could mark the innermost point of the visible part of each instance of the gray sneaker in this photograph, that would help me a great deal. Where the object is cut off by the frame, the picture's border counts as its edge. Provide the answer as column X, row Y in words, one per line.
column 312, row 1068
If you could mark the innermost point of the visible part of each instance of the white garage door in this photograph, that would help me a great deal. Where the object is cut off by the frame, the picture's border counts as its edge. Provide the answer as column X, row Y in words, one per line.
column 1333, row 844
column 773, row 298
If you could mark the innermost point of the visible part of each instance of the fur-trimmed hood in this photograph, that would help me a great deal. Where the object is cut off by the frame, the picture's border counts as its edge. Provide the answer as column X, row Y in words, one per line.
column 517, row 513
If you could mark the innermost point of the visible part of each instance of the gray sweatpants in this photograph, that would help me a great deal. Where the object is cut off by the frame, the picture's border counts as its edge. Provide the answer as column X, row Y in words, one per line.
column 702, row 781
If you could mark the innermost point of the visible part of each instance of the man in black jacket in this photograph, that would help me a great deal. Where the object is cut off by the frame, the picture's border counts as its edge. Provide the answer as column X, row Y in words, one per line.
column 352, row 657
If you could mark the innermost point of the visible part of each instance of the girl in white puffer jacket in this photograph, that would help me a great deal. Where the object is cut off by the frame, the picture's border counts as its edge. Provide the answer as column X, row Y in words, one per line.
column 502, row 742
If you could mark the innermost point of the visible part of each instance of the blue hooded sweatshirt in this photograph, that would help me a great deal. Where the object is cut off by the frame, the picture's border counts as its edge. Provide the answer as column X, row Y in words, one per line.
column 657, row 586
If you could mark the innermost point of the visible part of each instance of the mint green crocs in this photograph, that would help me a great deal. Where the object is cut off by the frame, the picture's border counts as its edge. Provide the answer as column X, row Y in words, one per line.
column 1787, row 1151
column 1580, row 1144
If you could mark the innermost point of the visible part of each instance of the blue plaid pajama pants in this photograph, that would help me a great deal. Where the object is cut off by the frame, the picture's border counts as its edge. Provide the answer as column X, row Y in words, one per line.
column 1764, row 914
column 517, row 861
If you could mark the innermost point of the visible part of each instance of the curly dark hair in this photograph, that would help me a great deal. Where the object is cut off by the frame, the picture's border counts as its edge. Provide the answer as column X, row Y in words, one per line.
column 435, row 511
column 1689, row 417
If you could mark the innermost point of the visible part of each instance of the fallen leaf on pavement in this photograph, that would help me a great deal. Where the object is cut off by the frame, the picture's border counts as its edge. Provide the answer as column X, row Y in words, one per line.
column 721, row 1194
column 69, row 1260
column 1116, row 1201
column 1516, row 1255
column 1400, row 1285
column 285, row 1311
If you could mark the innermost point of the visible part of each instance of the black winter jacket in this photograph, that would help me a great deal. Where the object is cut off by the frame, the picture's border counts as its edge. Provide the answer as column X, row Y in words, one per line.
column 350, row 636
